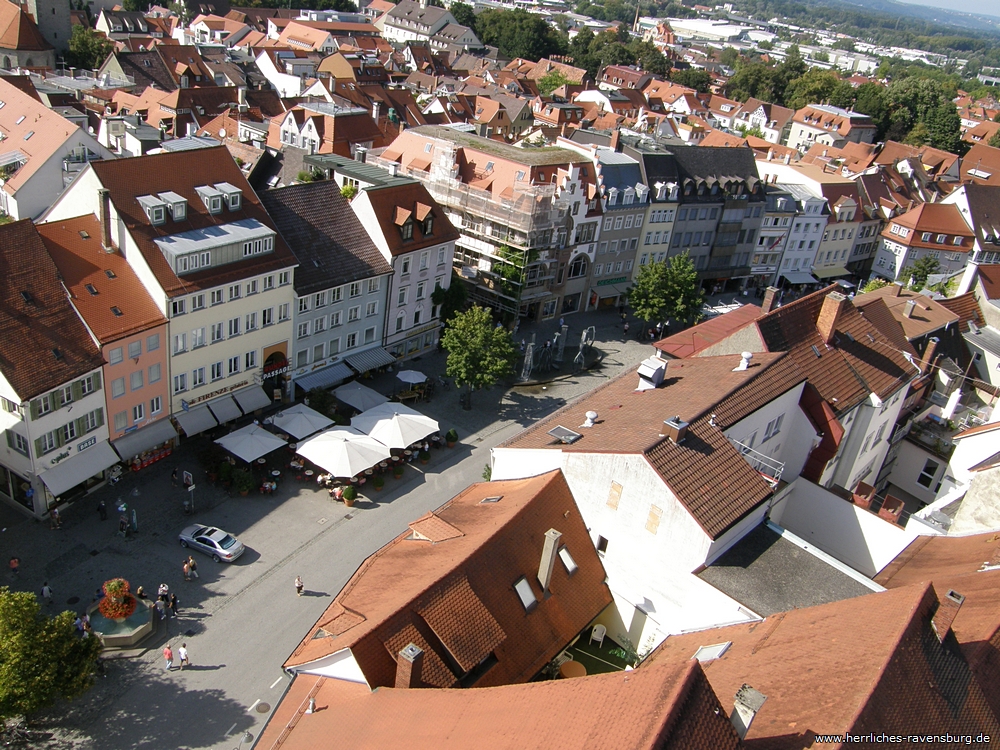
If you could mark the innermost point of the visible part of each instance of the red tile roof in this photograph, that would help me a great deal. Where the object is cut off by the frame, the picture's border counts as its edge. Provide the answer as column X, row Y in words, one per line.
column 83, row 265
column 868, row 664
column 926, row 315
column 181, row 172
column 18, row 30
column 989, row 277
column 689, row 342
column 663, row 707
column 455, row 598
column 36, row 319
column 869, row 360
column 394, row 204
column 940, row 557
column 705, row 472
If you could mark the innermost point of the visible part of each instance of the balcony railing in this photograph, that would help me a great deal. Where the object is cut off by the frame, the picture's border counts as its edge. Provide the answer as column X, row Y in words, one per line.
column 769, row 468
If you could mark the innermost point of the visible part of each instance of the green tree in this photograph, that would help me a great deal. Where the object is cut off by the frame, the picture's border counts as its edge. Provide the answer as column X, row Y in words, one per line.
column 88, row 48
column 869, row 99
column 551, row 81
column 479, row 352
column 821, row 56
column 699, row 80
column 874, row 284
column 945, row 128
column 348, row 191
column 452, row 300
column 995, row 140
column 648, row 295
column 729, row 57
column 918, row 136
column 518, row 33
column 41, row 657
column 684, row 293
column 649, row 58
column 812, row 88
column 751, row 80
column 845, row 44
column 746, row 132
column 917, row 272
column 464, row 15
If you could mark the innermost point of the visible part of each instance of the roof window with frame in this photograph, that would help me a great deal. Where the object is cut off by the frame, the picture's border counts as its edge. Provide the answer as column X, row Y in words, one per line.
column 526, row 594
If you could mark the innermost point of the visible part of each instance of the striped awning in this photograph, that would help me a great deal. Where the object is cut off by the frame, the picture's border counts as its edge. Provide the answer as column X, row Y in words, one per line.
column 325, row 377
column 370, row 359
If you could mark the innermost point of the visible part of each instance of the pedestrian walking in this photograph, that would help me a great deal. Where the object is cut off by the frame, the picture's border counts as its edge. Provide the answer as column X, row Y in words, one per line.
column 102, row 509
column 187, row 571
column 299, row 585
column 174, row 604
column 140, row 593
column 193, row 567
column 625, row 330
column 56, row 521
column 47, row 593
column 168, row 657
column 173, row 477
column 15, row 565
column 562, row 322
column 161, row 608
column 163, row 591
column 182, row 654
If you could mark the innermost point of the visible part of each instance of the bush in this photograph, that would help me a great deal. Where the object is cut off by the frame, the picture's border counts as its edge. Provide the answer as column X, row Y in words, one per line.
column 242, row 480
column 451, row 436
column 378, row 482
column 424, row 456
column 225, row 471
column 350, row 493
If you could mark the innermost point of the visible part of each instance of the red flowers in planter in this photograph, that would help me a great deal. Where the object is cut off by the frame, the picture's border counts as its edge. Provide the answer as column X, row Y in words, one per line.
column 118, row 602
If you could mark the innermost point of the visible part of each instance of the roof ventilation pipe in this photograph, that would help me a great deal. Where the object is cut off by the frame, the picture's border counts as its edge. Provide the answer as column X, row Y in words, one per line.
column 745, row 358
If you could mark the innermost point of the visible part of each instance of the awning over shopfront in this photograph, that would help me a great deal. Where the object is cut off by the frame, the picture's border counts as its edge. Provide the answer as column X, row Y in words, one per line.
column 830, row 271
column 195, row 420
column 144, row 438
column 323, row 378
column 252, row 398
column 798, row 277
column 370, row 359
column 225, row 409
column 69, row 473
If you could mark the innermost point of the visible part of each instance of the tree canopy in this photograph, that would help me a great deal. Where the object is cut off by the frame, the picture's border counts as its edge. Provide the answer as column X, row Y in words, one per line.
column 88, row 48
column 41, row 657
column 699, row 80
column 517, row 33
column 479, row 352
column 463, row 14
column 450, row 301
column 667, row 290
column 918, row 271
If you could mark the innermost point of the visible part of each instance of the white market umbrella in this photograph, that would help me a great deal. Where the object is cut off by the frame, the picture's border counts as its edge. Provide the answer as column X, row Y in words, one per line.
column 300, row 421
column 343, row 451
column 395, row 425
column 412, row 376
column 251, row 442
column 361, row 397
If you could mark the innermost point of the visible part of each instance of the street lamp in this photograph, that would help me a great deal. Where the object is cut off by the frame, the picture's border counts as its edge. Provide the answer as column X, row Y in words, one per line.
column 247, row 737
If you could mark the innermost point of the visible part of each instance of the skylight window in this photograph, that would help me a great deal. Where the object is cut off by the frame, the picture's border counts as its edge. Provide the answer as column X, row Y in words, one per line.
column 492, row 499
column 2, row 104
column 567, row 560
column 92, row 289
column 21, row 119
column 110, row 274
column 27, row 136
column 116, row 311
column 707, row 653
column 525, row 593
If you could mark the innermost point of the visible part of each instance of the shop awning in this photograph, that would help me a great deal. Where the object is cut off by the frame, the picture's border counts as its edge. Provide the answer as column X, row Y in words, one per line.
column 323, row 378
column 225, row 409
column 799, row 277
column 195, row 420
column 370, row 359
column 252, row 398
column 827, row 272
column 69, row 473
column 144, row 438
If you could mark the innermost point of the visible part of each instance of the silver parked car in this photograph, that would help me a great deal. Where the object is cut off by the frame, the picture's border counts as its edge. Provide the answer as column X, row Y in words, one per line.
column 222, row 547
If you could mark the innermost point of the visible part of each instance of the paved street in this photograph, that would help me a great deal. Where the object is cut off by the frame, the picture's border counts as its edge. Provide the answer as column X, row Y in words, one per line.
column 240, row 621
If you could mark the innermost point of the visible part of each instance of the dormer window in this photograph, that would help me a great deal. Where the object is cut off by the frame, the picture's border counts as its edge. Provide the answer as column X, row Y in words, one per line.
column 406, row 230
column 176, row 204
column 231, row 194
column 211, row 197
column 427, row 228
column 155, row 208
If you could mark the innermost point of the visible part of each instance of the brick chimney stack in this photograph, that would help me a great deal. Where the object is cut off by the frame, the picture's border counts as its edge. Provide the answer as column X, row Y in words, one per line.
column 834, row 306
column 770, row 297
column 104, row 199
column 928, row 359
column 408, row 667
column 550, row 548
column 946, row 613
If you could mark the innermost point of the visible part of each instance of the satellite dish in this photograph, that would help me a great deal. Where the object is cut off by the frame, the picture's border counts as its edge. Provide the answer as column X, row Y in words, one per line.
column 222, row 133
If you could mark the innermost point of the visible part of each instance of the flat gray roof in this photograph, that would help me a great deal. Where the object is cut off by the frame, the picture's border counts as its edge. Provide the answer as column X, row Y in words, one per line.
column 769, row 574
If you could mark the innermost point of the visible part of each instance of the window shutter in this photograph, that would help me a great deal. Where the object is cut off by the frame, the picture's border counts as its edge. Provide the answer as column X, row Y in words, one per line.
column 10, row 439
column 53, row 401
column 100, row 417
column 81, row 426
column 59, row 437
column 97, row 381
column 34, row 409
column 77, row 390
column 38, row 447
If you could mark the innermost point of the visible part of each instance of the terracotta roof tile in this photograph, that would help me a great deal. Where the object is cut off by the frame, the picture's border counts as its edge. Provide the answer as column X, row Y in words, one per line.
column 460, row 619
column 925, row 316
column 181, row 172
column 83, row 265
column 456, row 598
column 939, row 557
column 690, row 341
column 394, row 204
column 819, row 678
column 35, row 313
column 433, row 529
column 660, row 707
column 18, row 31
column 989, row 277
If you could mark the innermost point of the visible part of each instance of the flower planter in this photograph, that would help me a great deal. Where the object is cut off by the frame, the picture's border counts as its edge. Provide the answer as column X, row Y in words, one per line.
column 349, row 502
column 244, row 493
column 450, row 444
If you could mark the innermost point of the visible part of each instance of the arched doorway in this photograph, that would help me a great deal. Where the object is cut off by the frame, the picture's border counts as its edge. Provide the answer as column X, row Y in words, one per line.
column 274, row 368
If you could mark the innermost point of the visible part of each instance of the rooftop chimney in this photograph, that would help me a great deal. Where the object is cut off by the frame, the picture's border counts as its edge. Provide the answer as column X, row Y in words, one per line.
column 908, row 310
column 616, row 137
column 946, row 613
column 675, row 429
column 393, row 168
column 770, row 295
column 968, row 280
column 104, row 203
column 746, row 704
column 550, row 549
column 863, row 495
column 834, row 306
column 745, row 358
column 928, row 358
column 408, row 666
column 895, row 289
column 891, row 510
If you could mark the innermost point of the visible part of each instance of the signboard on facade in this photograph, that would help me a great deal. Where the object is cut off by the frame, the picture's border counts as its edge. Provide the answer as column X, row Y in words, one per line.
column 219, row 392
column 616, row 280
column 87, row 443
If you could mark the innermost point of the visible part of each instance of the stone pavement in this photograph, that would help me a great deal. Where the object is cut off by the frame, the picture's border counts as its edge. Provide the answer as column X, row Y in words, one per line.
column 77, row 558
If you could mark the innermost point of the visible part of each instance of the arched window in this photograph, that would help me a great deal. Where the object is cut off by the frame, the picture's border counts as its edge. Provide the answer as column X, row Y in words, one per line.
column 401, row 321
column 578, row 267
